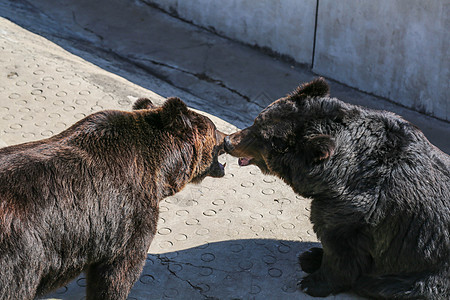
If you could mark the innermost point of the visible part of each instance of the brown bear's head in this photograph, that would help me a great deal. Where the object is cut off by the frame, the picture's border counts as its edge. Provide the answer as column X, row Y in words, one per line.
column 193, row 137
column 286, row 135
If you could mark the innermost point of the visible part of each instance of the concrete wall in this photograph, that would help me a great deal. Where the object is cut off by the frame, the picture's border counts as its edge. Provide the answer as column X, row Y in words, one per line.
column 397, row 49
column 286, row 27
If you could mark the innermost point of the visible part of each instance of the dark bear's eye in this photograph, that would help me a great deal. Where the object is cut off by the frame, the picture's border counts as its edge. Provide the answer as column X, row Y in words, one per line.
column 279, row 144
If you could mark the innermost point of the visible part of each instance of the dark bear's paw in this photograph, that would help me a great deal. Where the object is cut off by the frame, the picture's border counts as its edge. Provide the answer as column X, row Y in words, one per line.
column 314, row 285
column 311, row 260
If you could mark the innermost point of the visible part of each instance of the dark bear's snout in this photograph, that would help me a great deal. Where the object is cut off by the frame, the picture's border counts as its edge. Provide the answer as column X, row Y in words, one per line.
column 233, row 143
column 227, row 145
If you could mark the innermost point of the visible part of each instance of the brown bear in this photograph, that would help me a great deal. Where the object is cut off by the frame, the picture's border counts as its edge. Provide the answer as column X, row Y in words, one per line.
column 380, row 193
column 87, row 198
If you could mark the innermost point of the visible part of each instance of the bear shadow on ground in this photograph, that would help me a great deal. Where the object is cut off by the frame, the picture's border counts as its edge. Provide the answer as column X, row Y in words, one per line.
column 233, row 269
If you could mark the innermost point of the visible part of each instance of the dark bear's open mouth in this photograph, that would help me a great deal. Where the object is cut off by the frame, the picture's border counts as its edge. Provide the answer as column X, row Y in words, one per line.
column 245, row 161
column 260, row 163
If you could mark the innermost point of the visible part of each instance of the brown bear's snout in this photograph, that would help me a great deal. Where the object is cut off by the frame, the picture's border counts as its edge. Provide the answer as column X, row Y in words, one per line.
column 217, row 169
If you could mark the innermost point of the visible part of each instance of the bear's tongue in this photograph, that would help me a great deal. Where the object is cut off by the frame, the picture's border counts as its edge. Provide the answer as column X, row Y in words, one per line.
column 244, row 161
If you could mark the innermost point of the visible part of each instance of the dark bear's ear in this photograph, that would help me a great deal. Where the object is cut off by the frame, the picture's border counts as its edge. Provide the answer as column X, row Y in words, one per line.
column 320, row 147
column 143, row 103
column 175, row 114
column 316, row 88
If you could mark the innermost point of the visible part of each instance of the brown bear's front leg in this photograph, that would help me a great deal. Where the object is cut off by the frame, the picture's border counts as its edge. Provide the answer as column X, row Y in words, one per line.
column 113, row 281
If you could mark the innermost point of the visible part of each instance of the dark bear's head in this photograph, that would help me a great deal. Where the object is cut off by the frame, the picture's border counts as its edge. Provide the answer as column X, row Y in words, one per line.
column 193, row 138
column 287, row 134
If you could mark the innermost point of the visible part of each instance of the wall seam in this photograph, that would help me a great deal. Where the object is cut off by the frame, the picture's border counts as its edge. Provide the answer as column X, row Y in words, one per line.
column 315, row 35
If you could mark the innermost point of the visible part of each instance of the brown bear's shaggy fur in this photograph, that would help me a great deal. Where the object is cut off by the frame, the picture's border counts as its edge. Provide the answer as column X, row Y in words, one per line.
column 87, row 198
column 380, row 193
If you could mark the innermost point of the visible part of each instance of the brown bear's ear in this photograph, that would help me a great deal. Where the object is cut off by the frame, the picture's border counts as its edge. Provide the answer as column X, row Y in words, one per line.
column 143, row 103
column 316, row 88
column 320, row 147
column 175, row 114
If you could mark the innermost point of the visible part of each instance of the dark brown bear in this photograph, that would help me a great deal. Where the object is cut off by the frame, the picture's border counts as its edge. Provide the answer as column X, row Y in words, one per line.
column 380, row 193
column 87, row 198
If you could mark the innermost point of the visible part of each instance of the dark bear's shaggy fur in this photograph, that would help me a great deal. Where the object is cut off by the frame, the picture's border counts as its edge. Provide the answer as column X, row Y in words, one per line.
column 87, row 198
column 380, row 193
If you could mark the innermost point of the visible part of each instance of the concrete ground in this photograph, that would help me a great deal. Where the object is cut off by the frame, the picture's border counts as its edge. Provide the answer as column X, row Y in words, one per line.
column 231, row 238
